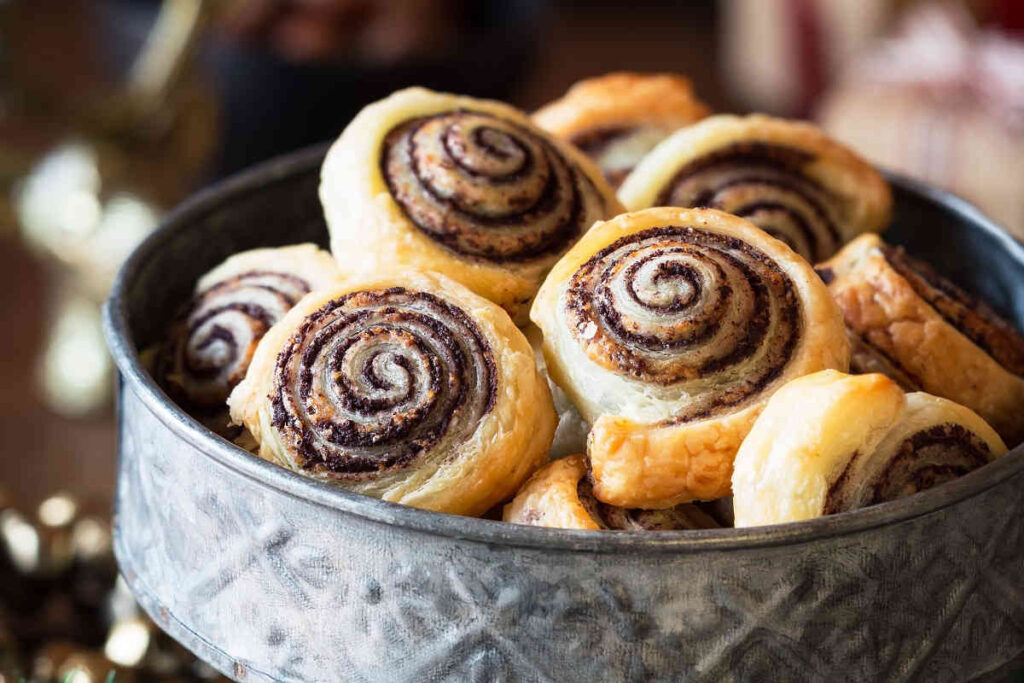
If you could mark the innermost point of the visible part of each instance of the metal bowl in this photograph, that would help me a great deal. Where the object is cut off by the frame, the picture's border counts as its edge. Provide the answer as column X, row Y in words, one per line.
column 268, row 575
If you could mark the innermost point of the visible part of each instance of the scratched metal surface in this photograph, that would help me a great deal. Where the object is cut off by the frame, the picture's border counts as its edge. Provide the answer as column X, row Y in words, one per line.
column 269, row 576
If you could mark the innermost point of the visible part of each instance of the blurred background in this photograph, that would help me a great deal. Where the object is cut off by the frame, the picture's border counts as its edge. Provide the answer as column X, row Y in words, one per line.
column 112, row 111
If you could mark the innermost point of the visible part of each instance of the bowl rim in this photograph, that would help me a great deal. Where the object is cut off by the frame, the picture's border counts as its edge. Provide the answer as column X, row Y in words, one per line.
column 228, row 455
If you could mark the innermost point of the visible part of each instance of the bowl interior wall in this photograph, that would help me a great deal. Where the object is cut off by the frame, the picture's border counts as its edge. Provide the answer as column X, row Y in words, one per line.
column 277, row 204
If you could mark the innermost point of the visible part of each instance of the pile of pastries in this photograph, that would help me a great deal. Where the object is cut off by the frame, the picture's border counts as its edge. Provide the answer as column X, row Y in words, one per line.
column 497, row 325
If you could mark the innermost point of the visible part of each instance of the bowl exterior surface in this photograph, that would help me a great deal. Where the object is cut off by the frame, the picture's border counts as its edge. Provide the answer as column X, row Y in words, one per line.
column 267, row 584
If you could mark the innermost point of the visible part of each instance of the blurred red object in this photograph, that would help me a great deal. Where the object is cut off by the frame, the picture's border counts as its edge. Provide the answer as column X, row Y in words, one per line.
column 778, row 55
column 943, row 100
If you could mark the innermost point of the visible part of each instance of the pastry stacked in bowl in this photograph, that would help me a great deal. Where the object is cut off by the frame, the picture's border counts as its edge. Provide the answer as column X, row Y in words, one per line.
column 496, row 326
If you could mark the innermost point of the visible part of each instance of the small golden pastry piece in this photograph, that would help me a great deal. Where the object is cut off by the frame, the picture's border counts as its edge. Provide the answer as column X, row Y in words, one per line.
column 669, row 329
column 616, row 119
column 209, row 346
column 929, row 334
column 403, row 386
column 561, row 496
column 831, row 442
column 469, row 188
column 787, row 177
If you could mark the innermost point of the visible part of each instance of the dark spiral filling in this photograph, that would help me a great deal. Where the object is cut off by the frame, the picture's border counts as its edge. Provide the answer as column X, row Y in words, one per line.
column 212, row 342
column 685, row 516
column 486, row 187
column 373, row 380
column 766, row 185
column 673, row 305
column 926, row 459
column 600, row 145
column 971, row 316
column 594, row 142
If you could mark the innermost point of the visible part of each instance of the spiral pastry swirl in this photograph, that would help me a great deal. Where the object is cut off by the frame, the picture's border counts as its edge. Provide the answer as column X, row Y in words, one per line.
column 830, row 442
column 616, row 119
column 400, row 388
column 223, row 327
column 763, row 184
column 373, row 379
column 676, row 304
column 466, row 187
column 668, row 329
column 925, row 332
column 209, row 347
column 928, row 457
column 560, row 495
column 786, row 177
column 485, row 186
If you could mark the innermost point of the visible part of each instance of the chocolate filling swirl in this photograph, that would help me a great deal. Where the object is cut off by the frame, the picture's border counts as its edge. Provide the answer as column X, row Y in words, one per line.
column 376, row 379
column 486, row 187
column 972, row 317
column 595, row 141
column 685, row 516
column 212, row 342
column 925, row 459
column 765, row 184
column 689, row 310
column 618, row 149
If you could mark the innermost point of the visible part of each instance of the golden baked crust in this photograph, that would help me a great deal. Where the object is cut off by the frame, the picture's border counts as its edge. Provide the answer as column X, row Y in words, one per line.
column 549, row 497
column 208, row 347
column 946, row 342
column 404, row 386
column 787, row 177
column 560, row 496
column 619, row 117
column 622, row 98
column 470, row 188
column 831, row 442
column 668, row 329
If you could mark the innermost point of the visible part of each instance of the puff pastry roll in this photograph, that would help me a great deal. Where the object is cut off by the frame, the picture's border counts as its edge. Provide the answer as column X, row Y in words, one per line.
column 787, row 177
column 406, row 387
column 210, row 344
column 669, row 328
column 470, row 188
column 616, row 119
column 921, row 329
column 831, row 442
column 561, row 496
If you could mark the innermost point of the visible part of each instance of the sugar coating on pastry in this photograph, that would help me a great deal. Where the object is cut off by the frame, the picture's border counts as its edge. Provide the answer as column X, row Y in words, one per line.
column 561, row 496
column 467, row 187
column 668, row 329
column 616, row 119
column 831, row 442
column 787, row 177
column 928, row 333
column 403, row 386
column 209, row 346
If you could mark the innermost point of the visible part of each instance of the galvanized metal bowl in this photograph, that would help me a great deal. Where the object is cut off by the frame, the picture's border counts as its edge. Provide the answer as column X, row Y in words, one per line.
column 270, row 576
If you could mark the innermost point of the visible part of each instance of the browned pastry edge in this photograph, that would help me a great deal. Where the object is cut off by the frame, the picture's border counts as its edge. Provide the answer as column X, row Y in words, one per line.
column 968, row 314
